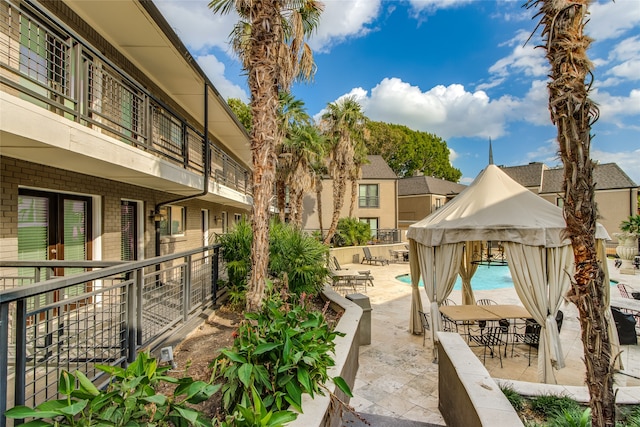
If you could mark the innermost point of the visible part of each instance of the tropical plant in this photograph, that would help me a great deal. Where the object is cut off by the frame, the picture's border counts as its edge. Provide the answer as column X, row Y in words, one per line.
column 269, row 38
column 129, row 400
column 298, row 256
column 280, row 353
column 343, row 123
column 549, row 405
column 631, row 224
column 573, row 113
column 352, row 232
column 572, row 418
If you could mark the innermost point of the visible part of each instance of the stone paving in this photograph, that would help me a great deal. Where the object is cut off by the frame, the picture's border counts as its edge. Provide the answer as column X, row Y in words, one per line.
column 397, row 377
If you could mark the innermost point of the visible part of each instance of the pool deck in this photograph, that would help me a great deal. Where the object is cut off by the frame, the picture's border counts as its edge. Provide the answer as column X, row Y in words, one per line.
column 397, row 376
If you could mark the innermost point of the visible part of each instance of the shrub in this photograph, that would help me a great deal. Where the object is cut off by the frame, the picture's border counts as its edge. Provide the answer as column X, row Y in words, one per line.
column 291, row 251
column 279, row 353
column 300, row 256
column 129, row 400
column 551, row 405
column 352, row 232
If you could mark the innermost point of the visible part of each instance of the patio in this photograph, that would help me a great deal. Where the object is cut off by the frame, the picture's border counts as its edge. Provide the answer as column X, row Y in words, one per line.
column 397, row 376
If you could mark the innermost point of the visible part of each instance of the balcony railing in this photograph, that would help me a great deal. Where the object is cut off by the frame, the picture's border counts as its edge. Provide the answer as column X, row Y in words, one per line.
column 43, row 62
column 101, row 316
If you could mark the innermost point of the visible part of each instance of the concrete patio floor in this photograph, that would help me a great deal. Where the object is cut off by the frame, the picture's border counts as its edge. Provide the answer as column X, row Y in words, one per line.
column 397, row 377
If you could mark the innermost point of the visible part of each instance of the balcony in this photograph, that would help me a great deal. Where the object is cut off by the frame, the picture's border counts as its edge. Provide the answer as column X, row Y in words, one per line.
column 93, row 116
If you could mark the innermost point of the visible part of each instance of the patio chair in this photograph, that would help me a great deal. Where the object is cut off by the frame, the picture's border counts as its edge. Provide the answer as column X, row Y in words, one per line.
column 425, row 325
column 624, row 292
column 486, row 301
column 393, row 256
column 337, row 264
column 530, row 336
column 448, row 301
column 372, row 259
column 491, row 337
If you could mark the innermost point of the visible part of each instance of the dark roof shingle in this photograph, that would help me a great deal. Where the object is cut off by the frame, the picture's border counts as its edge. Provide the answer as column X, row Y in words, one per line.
column 377, row 168
column 607, row 176
column 427, row 185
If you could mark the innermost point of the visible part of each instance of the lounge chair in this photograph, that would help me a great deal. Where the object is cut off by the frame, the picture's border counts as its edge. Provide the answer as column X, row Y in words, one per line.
column 336, row 264
column 372, row 259
column 344, row 281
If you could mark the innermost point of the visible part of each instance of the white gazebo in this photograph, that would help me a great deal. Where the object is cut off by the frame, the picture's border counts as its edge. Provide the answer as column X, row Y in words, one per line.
column 496, row 208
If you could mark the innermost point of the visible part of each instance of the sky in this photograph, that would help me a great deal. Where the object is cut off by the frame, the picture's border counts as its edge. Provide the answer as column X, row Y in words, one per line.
column 468, row 71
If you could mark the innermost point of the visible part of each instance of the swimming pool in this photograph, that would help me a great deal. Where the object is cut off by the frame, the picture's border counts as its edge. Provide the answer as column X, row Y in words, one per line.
column 485, row 279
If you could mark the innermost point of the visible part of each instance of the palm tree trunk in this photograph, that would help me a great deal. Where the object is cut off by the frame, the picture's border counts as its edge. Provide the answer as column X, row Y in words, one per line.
column 573, row 113
column 281, row 194
column 319, row 201
column 263, row 75
column 339, row 183
column 354, row 194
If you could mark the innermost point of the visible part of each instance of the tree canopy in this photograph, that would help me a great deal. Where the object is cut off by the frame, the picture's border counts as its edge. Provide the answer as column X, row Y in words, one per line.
column 409, row 152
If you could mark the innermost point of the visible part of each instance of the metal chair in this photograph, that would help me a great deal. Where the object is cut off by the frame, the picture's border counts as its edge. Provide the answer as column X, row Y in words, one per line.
column 491, row 338
column 624, row 292
column 425, row 325
column 486, row 301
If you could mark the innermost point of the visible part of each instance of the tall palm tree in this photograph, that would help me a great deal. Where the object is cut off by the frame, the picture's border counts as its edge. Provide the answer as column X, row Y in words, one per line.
column 292, row 115
column 319, row 168
column 573, row 113
column 306, row 146
column 359, row 159
column 343, row 123
column 269, row 38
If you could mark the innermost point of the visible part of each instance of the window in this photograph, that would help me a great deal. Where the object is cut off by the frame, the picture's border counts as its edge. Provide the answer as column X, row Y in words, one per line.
column 237, row 218
column 438, row 203
column 174, row 219
column 373, row 225
column 559, row 201
column 369, row 196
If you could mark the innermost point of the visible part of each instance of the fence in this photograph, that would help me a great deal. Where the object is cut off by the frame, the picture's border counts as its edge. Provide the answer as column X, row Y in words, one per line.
column 103, row 316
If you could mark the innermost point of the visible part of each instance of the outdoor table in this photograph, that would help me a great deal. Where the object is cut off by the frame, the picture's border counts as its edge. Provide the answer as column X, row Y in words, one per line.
column 468, row 313
column 626, row 303
column 509, row 311
column 404, row 253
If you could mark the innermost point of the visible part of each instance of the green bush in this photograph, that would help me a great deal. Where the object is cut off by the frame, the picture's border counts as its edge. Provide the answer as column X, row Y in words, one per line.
column 291, row 251
column 300, row 256
column 129, row 400
column 550, row 405
column 280, row 353
column 352, row 232
column 573, row 417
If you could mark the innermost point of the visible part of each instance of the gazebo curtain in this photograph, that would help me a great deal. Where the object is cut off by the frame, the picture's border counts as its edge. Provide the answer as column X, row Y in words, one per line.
column 440, row 269
column 541, row 277
column 415, row 325
column 468, row 269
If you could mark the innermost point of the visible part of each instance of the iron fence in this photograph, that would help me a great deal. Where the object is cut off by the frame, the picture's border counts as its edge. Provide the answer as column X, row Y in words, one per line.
column 103, row 316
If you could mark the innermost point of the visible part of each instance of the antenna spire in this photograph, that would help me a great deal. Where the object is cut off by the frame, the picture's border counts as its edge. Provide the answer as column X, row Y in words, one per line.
column 490, row 152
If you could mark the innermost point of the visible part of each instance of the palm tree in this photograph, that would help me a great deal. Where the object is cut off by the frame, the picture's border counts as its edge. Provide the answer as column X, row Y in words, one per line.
column 359, row 159
column 306, row 146
column 573, row 113
column 319, row 168
column 292, row 115
column 269, row 38
column 343, row 123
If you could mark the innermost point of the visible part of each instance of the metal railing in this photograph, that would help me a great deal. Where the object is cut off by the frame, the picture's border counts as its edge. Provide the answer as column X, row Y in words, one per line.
column 379, row 236
column 42, row 61
column 103, row 316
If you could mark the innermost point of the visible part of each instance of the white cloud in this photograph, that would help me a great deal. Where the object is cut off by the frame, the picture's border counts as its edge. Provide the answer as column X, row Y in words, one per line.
column 524, row 59
column 614, row 108
column 214, row 69
column 433, row 5
column 343, row 19
column 204, row 28
column 609, row 20
column 448, row 111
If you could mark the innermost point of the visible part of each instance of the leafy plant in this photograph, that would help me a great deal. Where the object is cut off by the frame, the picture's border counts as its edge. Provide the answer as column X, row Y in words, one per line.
column 129, row 400
column 352, row 232
column 631, row 224
column 549, row 405
column 280, row 353
column 257, row 415
column 300, row 256
column 515, row 399
column 574, row 417
column 291, row 251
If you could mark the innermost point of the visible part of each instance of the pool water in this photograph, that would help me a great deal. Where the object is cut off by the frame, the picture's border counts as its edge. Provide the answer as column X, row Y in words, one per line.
column 485, row 279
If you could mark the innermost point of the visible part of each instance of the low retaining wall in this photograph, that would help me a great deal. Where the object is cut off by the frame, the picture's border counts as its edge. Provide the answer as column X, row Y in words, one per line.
column 467, row 395
column 320, row 411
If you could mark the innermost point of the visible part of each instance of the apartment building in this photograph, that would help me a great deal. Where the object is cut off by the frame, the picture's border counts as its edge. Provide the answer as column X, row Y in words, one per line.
column 114, row 145
column 419, row 196
column 377, row 202
column 616, row 195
